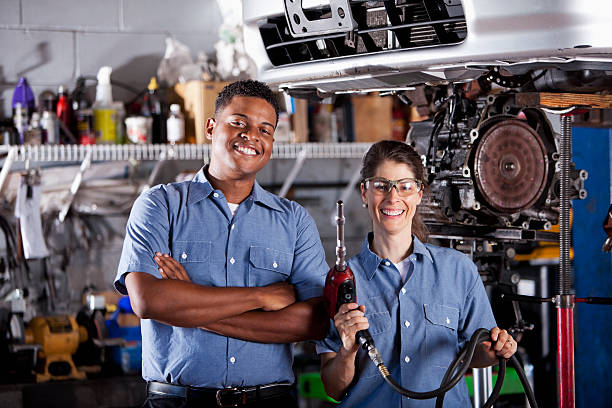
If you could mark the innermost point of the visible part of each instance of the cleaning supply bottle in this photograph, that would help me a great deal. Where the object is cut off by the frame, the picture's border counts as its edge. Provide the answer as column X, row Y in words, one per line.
column 82, row 125
column 105, row 120
column 62, row 109
column 20, row 121
column 50, row 127
column 153, row 107
column 24, row 105
column 175, row 125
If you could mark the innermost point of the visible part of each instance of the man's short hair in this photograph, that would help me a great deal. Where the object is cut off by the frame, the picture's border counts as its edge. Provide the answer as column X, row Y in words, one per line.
column 247, row 87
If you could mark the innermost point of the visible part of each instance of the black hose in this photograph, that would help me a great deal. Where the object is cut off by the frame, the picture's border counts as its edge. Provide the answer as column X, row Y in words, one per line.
column 459, row 367
column 526, row 386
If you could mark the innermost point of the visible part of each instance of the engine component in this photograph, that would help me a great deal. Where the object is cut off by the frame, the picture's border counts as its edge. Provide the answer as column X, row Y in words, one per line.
column 492, row 164
column 511, row 166
column 607, row 226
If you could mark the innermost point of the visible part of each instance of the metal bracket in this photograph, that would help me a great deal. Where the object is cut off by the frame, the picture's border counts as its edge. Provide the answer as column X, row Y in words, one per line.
column 297, row 166
column 74, row 187
column 6, row 167
column 341, row 20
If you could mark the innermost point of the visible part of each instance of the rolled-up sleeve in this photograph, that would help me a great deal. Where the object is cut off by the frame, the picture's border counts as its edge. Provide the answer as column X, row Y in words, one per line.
column 147, row 232
column 476, row 311
column 309, row 266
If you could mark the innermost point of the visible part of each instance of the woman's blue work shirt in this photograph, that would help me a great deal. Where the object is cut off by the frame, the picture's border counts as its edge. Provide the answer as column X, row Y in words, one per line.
column 269, row 239
column 418, row 327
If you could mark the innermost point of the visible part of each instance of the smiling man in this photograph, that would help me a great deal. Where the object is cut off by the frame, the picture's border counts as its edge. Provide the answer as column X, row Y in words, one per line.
column 252, row 265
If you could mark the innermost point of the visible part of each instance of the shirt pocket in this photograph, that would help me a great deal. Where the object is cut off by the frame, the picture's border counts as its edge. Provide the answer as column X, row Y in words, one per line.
column 441, row 339
column 267, row 266
column 380, row 324
column 194, row 256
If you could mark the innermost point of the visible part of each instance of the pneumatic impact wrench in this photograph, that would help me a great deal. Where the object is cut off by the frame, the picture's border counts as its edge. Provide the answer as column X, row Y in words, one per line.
column 340, row 286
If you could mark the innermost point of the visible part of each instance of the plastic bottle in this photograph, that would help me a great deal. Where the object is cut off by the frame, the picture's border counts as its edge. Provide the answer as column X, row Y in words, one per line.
column 62, row 108
column 20, row 120
column 154, row 108
column 23, row 104
column 50, row 126
column 34, row 134
column 82, row 126
column 175, row 125
column 105, row 120
column 119, row 107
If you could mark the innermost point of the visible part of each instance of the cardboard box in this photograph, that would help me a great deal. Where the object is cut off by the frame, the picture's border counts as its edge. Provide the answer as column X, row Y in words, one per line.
column 300, row 121
column 197, row 100
column 372, row 117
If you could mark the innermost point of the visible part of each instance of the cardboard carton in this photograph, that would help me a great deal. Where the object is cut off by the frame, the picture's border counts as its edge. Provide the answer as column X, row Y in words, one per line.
column 197, row 100
column 372, row 117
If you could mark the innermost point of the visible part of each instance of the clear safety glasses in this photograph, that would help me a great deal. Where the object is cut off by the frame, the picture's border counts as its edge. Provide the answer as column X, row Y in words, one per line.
column 404, row 187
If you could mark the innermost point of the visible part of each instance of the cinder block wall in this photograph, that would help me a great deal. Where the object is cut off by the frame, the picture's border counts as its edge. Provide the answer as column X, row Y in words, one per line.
column 51, row 43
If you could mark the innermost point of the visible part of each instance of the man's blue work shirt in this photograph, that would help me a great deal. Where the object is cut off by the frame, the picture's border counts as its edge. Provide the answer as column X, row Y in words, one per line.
column 270, row 239
column 418, row 327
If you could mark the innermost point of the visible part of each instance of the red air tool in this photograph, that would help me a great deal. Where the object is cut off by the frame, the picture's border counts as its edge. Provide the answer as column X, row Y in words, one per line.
column 340, row 282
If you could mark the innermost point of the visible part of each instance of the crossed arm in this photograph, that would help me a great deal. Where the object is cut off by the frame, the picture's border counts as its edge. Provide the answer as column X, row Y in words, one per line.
column 267, row 314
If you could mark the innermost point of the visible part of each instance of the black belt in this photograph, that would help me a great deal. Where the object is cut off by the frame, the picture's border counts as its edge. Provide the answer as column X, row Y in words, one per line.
column 224, row 397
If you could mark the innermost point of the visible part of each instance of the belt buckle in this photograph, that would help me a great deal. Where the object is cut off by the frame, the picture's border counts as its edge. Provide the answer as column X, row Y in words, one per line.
column 220, row 394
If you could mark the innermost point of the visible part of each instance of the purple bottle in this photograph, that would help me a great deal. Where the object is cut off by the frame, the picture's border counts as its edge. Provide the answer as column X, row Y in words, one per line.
column 23, row 105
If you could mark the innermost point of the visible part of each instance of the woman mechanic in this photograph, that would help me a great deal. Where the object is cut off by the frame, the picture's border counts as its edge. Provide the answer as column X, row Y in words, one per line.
column 420, row 302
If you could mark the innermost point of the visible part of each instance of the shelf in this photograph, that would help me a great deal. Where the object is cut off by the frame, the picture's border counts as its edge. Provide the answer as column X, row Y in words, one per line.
column 77, row 153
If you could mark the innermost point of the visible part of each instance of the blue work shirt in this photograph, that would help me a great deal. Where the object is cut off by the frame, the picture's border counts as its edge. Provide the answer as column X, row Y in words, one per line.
column 418, row 327
column 270, row 239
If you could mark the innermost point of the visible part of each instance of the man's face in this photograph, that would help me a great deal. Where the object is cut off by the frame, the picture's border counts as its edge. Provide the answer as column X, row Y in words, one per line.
column 242, row 135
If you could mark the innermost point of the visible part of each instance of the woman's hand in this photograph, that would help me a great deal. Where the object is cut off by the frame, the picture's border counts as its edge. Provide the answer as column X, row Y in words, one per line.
column 502, row 343
column 488, row 352
column 169, row 268
column 349, row 320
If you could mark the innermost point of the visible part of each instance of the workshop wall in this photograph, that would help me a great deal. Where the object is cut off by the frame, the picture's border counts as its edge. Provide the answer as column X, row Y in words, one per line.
column 51, row 43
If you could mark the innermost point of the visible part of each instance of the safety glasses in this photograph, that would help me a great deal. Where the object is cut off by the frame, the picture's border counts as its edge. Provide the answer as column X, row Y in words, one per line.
column 404, row 187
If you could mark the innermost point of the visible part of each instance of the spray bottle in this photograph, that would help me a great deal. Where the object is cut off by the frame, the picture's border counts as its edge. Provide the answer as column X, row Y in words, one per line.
column 23, row 106
column 105, row 115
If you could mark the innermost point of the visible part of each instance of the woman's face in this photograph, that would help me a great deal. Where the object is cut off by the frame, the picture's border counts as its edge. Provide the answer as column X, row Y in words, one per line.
column 391, row 212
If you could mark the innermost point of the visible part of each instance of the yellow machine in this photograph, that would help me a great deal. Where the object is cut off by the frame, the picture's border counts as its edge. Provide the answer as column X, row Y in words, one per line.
column 59, row 337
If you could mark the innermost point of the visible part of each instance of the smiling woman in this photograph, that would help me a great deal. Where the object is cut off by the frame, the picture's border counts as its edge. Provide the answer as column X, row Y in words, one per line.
column 434, row 295
column 390, row 160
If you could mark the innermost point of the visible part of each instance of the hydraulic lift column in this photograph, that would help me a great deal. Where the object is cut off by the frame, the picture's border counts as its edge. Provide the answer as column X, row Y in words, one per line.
column 564, row 297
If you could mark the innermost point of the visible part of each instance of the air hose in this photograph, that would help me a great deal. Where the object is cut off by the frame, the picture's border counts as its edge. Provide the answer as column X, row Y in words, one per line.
column 460, row 364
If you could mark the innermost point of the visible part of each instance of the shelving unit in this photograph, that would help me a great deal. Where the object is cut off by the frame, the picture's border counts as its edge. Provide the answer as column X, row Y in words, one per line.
column 78, row 153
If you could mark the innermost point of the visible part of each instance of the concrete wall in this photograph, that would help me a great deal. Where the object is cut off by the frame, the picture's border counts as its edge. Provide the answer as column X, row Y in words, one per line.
column 51, row 43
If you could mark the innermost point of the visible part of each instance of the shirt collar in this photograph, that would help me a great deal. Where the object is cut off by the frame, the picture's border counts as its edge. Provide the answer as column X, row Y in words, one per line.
column 420, row 249
column 371, row 261
column 200, row 188
column 264, row 197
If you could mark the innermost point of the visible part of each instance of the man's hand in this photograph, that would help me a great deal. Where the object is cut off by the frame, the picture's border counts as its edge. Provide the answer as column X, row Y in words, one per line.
column 277, row 296
column 274, row 297
column 169, row 268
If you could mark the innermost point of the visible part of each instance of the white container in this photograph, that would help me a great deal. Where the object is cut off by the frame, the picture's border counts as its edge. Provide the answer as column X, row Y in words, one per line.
column 139, row 129
column 50, row 124
column 175, row 125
